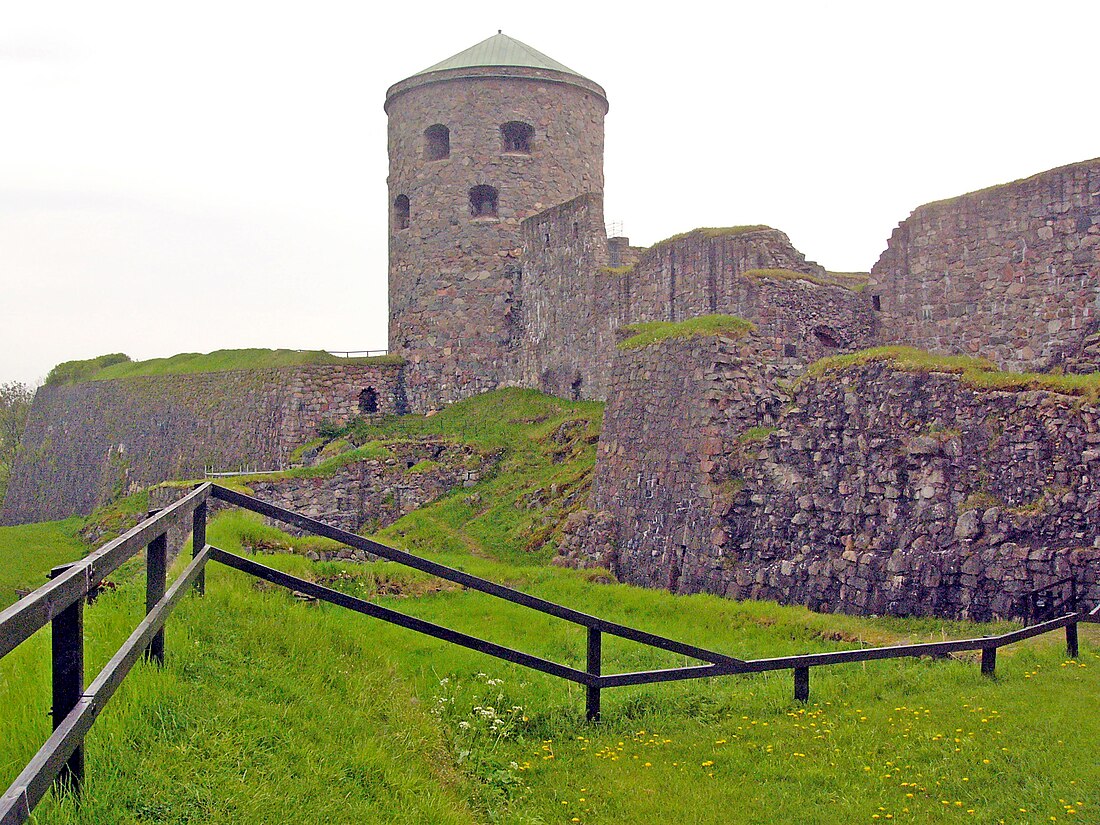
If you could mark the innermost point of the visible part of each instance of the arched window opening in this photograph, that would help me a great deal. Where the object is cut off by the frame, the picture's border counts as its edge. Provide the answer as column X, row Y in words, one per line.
column 483, row 202
column 437, row 142
column 516, row 137
column 368, row 401
column 401, row 212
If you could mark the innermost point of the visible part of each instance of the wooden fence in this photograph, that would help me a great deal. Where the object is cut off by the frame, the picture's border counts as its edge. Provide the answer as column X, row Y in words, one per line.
column 60, row 602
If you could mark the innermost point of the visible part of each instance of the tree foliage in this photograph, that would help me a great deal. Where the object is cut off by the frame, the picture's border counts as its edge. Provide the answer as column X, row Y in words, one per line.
column 15, row 404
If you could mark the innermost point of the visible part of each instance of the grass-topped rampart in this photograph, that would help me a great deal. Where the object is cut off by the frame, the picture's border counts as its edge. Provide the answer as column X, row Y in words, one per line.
column 714, row 232
column 643, row 335
column 118, row 365
column 980, row 373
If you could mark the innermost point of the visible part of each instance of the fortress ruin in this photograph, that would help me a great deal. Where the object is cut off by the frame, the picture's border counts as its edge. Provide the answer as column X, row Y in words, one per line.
column 729, row 462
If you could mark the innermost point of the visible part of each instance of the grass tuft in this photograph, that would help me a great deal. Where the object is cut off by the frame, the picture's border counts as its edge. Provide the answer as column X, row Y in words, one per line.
column 979, row 373
column 642, row 335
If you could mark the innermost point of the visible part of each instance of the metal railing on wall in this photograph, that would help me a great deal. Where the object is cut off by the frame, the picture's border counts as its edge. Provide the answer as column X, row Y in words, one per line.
column 59, row 603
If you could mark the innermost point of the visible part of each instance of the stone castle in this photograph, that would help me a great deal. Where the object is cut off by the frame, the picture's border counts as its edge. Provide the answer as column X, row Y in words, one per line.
column 879, row 489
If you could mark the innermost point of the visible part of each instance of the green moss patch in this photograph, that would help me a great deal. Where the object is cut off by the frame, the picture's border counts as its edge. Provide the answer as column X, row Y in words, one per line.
column 107, row 367
column 980, row 373
column 642, row 335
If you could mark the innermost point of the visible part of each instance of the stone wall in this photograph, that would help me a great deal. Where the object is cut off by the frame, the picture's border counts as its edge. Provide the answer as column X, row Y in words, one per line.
column 371, row 494
column 663, row 468
column 452, row 275
column 572, row 304
column 564, row 337
column 1012, row 272
column 879, row 491
column 86, row 442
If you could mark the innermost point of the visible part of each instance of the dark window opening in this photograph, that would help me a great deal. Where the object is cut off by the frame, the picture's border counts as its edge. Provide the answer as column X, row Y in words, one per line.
column 827, row 336
column 547, row 239
column 516, row 137
column 437, row 142
column 401, row 212
column 483, row 202
column 876, row 303
column 576, row 230
column 368, row 401
column 790, row 351
column 575, row 387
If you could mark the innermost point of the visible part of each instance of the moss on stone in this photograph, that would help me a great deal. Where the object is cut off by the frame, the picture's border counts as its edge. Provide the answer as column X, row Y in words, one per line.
column 107, row 367
column 754, row 434
column 715, row 232
column 425, row 466
column 642, row 335
column 979, row 373
column 616, row 271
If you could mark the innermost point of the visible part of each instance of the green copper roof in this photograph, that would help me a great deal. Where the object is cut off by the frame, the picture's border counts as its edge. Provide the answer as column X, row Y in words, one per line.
column 500, row 50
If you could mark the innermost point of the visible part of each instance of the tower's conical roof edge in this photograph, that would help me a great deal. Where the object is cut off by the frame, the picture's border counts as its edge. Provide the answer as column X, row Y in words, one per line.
column 501, row 50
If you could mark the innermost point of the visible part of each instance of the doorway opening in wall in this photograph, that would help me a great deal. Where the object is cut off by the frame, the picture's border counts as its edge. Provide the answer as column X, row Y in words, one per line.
column 827, row 337
column 368, row 401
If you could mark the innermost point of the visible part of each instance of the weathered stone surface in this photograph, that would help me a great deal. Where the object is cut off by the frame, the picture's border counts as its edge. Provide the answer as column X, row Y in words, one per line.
column 453, row 275
column 571, row 304
column 1011, row 272
column 86, row 442
column 372, row 494
column 928, row 497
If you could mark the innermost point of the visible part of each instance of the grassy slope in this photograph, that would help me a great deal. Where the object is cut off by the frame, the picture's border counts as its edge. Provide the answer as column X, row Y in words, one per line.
column 312, row 705
column 29, row 551
column 192, row 362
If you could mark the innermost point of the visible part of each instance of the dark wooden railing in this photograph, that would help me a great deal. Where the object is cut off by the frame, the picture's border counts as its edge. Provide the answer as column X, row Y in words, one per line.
column 60, row 604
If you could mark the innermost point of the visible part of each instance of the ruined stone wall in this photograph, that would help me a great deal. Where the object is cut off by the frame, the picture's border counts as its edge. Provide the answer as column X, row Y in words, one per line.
column 86, row 442
column 565, row 333
column 452, row 274
column 371, row 494
column 1011, row 272
column 879, row 492
column 675, row 410
column 573, row 304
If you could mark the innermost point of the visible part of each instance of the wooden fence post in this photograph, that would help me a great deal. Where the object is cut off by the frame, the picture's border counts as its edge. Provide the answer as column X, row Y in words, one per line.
column 67, row 642
column 156, row 580
column 592, row 703
column 198, row 541
column 989, row 661
column 802, row 684
column 1072, row 649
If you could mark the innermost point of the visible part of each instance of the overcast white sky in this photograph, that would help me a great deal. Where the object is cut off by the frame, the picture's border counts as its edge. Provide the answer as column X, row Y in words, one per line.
column 202, row 175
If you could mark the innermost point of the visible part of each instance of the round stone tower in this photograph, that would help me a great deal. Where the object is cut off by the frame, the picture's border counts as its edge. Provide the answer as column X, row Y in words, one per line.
column 477, row 144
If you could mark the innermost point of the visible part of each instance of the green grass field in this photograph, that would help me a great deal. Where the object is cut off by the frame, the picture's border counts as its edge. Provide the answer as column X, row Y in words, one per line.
column 273, row 710
column 28, row 552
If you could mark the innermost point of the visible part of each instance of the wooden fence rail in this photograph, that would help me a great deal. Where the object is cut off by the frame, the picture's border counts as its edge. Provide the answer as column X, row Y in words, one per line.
column 60, row 604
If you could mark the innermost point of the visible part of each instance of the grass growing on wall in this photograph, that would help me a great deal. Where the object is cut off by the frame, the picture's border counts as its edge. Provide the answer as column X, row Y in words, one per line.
column 643, row 335
column 120, row 366
column 28, row 551
column 979, row 373
column 846, row 280
column 714, row 232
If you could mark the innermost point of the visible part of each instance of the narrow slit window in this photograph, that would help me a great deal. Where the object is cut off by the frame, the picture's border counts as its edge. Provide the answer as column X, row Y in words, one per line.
column 437, row 142
column 401, row 212
column 516, row 137
column 483, row 202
